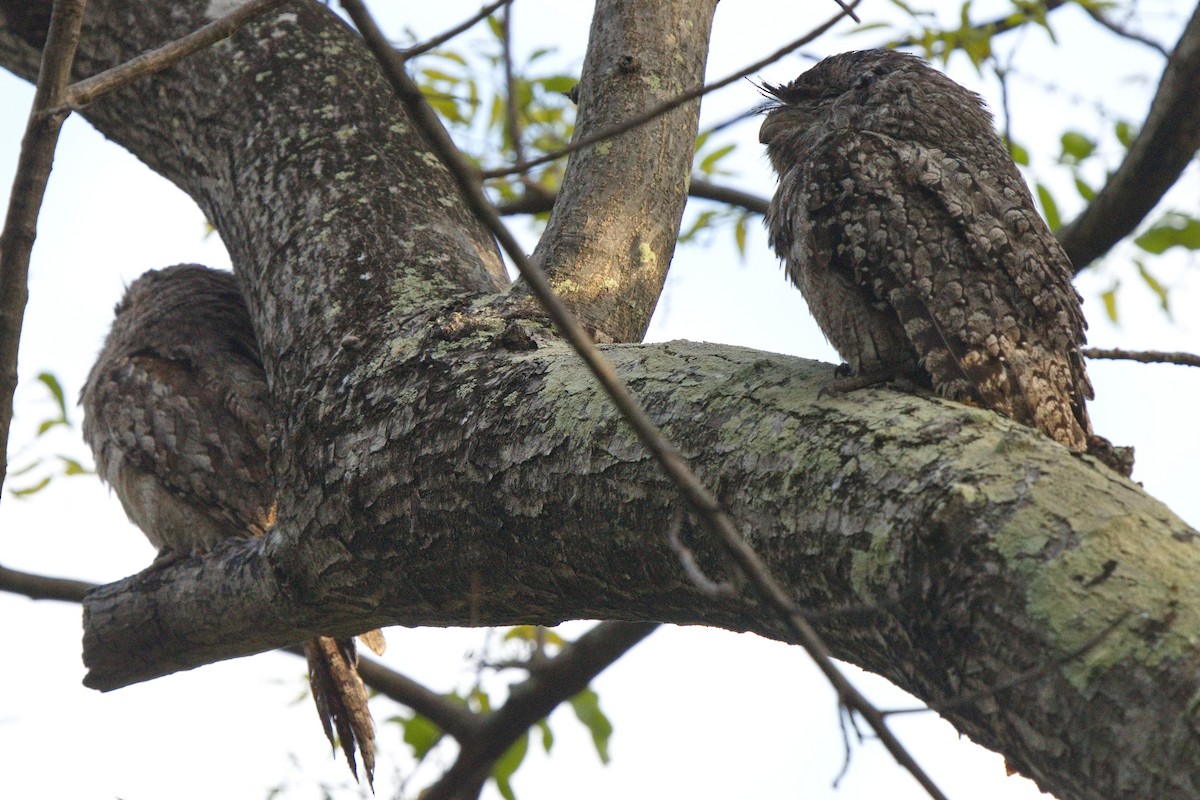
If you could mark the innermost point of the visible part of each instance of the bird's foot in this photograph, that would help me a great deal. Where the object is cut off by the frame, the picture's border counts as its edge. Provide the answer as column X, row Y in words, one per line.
column 845, row 380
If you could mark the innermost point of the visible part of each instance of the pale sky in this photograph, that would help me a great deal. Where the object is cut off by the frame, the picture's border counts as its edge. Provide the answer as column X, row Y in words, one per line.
column 698, row 713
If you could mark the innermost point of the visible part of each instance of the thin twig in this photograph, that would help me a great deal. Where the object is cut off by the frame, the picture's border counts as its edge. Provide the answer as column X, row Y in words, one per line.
column 701, row 500
column 25, row 202
column 405, row 53
column 1105, row 22
column 535, row 202
column 512, row 123
column 670, row 105
column 88, row 90
column 1144, row 356
column 688, row 561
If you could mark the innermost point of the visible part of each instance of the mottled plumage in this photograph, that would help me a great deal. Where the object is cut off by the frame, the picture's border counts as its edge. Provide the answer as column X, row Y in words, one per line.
column 915, row 241
column 178, row 416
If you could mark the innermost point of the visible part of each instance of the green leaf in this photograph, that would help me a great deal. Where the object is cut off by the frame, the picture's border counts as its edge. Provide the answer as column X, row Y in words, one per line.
column 547, row 734
column 508, row 763
column 1155, row 286
column 739, row 233
column 1019, row 154
column 34, row 489
column 420, row 733
column 494, row 24
column 51, row 383
column 1109, row 298
column 1049, row 207
column 1173, row 230
column 1076, row 147
column 1125, row 133
column 73, row 467
column 709, row 162
column 586, row 705
column 558, row 83
column 1085, row 191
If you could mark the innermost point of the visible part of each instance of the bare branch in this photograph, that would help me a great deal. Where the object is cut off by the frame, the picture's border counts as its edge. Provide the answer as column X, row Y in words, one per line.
column 560, row 679
column 512, row 123
column 681, row 99
column 701, row 500
column 42, row 587
column 29, row 187
column 88, row 90
column 1157, row 157
column 1095, row 13
column 542, row 202
column 437, row 41
column 1144, row 356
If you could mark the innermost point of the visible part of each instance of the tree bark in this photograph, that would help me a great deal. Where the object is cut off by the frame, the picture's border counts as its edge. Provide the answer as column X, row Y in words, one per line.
column 446, row 460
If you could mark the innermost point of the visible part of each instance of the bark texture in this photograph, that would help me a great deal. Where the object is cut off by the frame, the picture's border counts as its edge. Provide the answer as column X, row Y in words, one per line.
column 446, row 460
column 613, row 229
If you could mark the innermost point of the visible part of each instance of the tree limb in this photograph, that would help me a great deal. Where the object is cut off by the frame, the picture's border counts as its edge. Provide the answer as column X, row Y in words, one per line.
column 29, row 186
column 448, row 460
column 565, row 676
column 43, row 587
column 1165, row 145
column 1144, row 356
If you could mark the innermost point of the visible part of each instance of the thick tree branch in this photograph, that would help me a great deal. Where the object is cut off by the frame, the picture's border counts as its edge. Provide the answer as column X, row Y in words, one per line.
column 1165, row 145
column 447, row 463
column 25, row 201
column 987, row 548
column 610, row 238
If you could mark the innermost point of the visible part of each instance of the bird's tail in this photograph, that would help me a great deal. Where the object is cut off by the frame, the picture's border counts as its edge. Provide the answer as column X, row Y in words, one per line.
column 341, row 700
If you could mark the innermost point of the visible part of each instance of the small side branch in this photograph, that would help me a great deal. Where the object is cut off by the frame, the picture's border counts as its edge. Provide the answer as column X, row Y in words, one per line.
column 1168, row 139
column 1144, row 356
column 90, row 89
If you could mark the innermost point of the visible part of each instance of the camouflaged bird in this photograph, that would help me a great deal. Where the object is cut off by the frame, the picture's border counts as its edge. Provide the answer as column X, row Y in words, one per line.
column 905, row 224
column 179, row 419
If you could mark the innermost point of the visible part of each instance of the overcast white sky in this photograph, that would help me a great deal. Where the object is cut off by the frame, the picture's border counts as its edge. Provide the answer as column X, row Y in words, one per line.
column 698, row 713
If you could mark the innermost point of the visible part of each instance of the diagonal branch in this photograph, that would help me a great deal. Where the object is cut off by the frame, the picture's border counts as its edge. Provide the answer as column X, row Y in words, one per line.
column 706, row 506
column 1162, row 150
column 29, row 187
column 565, row 676
column 88, row 90
column 437, row 41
